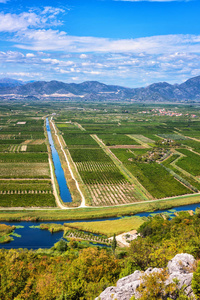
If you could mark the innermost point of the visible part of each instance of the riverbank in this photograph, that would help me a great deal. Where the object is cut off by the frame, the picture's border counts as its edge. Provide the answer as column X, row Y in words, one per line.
column 93, row 212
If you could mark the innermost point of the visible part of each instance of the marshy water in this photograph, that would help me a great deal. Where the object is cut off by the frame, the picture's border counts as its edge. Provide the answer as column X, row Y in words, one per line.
column 34, row 238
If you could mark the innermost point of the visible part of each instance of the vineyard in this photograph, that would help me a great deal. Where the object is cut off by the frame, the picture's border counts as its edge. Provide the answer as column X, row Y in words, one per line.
column 116, row 139
column 102, row 178
column 25, row 175
column 152, row 176
column 120, row 153
column 190, row 162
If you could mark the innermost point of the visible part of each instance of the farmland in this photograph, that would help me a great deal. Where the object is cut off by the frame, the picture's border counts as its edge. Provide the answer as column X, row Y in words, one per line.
column 102, row 178
column 118, row 154
column 116, row 173
column 25, row 175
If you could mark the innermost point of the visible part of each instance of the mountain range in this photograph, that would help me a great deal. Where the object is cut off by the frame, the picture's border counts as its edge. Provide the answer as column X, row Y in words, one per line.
column 94, row 90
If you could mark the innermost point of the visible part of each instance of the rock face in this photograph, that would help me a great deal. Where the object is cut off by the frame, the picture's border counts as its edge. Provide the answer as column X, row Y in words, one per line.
column 179, row 267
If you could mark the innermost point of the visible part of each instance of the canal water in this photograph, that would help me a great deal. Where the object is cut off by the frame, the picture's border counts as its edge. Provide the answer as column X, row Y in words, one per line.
column 34, row 238
column 64, row 190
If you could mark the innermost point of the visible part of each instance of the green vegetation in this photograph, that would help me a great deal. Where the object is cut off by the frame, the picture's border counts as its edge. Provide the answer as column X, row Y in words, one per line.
column 23, row 158
column 5, row 231
column 116, row 139
column 174, row 137
column 132, row 175
column 152, row 176
column 25, row 185
column 190, row 162
column 72, row 269
column 161, row 240
column 64, row 273
column 108, row 228
column 102, row 177
column 79, row 139
column 36, row 148
column 93, row 213
column 27, row 200
column 25, row 170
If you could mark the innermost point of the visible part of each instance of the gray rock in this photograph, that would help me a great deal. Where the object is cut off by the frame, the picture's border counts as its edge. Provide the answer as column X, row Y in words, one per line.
column 182, row 263
column 180, row 267
column 130, row 278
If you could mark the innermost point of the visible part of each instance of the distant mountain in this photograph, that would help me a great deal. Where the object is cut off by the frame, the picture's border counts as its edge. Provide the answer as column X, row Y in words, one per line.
column 8, row 82
column 94, row 90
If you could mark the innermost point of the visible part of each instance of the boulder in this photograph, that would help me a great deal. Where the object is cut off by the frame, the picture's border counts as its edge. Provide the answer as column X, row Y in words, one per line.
column 180, row 267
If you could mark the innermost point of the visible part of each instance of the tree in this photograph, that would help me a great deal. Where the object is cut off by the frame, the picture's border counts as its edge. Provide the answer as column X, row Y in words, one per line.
column 114, row 244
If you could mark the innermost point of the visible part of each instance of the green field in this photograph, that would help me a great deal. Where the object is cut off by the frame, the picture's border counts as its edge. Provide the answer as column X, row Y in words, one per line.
column 23, row 158
column 27, row 200
column 25, row 170
column 108, row 228
column 117, row 139
column 106, row 178
column 78, row 139
column 190, row 162
column 152, row 176
column 25, row 185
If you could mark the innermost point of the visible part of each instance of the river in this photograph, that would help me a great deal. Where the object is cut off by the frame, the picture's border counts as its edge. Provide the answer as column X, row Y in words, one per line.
column 34, row 238
column 64, row 190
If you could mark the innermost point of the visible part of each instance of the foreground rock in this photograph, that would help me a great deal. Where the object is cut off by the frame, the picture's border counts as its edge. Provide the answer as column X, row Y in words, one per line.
column 179, row 267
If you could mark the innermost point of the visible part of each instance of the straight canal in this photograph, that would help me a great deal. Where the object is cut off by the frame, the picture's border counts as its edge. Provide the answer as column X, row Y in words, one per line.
column 33, row 238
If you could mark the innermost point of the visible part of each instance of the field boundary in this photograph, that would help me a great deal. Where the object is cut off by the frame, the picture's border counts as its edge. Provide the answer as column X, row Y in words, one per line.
column 128, row 175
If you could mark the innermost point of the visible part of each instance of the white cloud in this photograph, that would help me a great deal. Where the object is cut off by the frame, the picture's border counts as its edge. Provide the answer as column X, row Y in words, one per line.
column 54, row 40
column 53, row 54
column 83, row 56
column 54, row 61
column 31, row 19
column 20, row 74
column 30, row 55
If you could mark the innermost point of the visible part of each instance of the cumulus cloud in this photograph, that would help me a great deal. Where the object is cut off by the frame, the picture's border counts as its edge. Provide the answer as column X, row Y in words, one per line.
column 45, row 40
column 53, row 54
column 31, row 19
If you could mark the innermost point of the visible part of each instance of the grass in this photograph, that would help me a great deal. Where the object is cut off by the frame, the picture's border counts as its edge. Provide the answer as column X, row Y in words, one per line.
column 24, row 157
column 94, row 213
column 82, row 155
column 25, row 185
column 190, row 162
column 27, row 200
column 37, row 148
column 52, row 227
column 158, row 182
column 25, row 170
column 5, row 231
column 108, row 228
column 171, row 163
column 78, row 139
column 117, row 139
column 174, row 137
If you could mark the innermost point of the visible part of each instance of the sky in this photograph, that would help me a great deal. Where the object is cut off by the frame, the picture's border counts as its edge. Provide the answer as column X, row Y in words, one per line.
column 131, row 43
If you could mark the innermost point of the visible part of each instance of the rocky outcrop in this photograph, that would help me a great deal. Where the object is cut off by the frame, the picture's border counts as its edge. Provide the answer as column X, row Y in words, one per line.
column 180, row 267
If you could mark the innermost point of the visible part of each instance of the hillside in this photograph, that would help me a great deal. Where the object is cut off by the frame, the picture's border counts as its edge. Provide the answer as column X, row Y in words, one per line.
column 94, row 90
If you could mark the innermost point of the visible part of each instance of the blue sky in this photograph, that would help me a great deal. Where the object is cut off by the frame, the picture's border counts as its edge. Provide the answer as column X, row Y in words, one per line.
column 122, row 42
